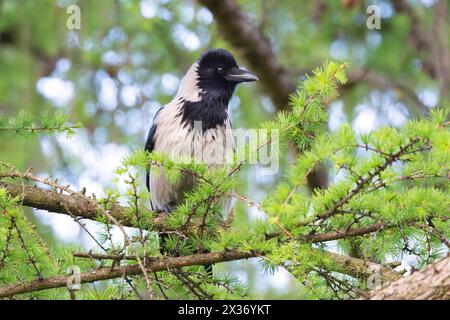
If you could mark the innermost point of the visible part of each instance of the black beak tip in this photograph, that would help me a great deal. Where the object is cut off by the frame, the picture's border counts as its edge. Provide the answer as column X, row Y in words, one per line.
column 252, row 78
column 241, row 75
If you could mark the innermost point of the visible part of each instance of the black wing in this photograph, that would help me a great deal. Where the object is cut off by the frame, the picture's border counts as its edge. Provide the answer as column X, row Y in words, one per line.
column 149, row 145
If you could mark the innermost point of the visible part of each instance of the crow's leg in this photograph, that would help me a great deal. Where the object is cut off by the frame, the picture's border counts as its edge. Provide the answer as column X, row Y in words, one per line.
column 168, row 207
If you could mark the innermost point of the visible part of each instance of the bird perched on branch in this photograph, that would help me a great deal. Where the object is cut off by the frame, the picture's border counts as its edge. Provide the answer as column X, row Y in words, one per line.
column 195, row 123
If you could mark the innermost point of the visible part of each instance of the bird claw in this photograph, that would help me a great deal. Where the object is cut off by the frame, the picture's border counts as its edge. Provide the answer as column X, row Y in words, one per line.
column 167, row 208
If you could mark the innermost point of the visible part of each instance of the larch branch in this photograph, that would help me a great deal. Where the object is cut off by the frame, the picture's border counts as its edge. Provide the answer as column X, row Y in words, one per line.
column 84, row 207
column 105, row 273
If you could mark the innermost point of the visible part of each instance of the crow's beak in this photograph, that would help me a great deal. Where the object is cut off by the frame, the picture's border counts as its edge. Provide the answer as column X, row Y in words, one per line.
column 240, row 75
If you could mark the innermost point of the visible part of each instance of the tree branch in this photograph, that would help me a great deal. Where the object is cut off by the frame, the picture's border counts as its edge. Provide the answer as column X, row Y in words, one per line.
column 52, row 201
column 105, row 273
column 352, row 232
column 347, row 265
column 354, row 267
column 359, row 268
column 80, row 206
column 363, row 181
column 83, row 207
column 430, row 283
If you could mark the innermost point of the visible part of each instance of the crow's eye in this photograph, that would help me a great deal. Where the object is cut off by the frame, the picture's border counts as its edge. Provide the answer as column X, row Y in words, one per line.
column 219, row 70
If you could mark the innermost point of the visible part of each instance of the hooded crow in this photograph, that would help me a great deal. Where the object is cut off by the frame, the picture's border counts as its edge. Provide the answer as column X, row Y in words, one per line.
column 195, row 124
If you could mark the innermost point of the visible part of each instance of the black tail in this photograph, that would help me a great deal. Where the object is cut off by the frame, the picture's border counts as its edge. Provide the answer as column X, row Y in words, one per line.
column 209, row 269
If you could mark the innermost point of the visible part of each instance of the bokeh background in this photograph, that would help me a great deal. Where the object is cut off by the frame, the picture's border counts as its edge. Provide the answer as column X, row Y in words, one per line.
column 128, row 57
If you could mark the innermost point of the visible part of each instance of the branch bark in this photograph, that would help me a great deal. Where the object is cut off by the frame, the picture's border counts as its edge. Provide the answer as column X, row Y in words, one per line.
column 352, row 232
column 359, row 268
column 433, row 282
column 78, row 206
column 106, row 273
column 351, row 266
column 430, row 283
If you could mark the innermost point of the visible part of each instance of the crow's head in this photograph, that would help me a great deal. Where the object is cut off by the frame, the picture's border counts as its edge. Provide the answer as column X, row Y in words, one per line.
column 215, row 75
column 217, row 68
